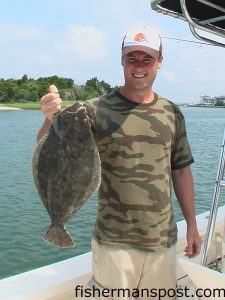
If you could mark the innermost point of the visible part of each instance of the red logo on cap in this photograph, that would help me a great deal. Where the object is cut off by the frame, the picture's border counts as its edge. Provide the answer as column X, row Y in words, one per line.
column 139, row 37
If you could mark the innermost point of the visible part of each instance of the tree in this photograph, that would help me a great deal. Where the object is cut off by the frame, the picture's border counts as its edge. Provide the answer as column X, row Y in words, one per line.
column 8, row 90
column 219, row 103
column 28, row 89
column 94, row 87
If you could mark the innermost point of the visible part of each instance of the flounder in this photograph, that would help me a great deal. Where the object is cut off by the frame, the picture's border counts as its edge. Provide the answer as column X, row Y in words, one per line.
column 66, row 170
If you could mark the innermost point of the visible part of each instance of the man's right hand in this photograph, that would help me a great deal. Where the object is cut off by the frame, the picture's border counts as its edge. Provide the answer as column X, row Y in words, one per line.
column 51, row 103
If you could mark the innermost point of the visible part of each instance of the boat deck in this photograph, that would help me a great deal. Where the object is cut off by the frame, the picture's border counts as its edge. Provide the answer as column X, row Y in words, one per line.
column 58, row 281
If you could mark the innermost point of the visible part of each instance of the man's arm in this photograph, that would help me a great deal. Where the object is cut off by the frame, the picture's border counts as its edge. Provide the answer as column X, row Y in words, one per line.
column 184, row 190
column 44, row 128
column 50, row 105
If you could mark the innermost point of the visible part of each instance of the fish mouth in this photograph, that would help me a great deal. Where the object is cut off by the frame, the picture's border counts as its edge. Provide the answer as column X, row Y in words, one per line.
column 80, row 108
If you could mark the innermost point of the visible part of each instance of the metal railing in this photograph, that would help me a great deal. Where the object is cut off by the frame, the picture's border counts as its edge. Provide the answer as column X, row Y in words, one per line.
column 194, row 23
column 220, row 182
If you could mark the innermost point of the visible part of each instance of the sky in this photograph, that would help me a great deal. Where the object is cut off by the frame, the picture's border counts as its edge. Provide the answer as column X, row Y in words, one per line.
column 81, row 39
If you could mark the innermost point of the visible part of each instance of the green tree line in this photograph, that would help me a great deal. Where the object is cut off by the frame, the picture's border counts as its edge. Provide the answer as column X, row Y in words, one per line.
column 28, row 89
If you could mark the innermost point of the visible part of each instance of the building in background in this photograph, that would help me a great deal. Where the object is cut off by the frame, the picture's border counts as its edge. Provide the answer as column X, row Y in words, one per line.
column 212, row 101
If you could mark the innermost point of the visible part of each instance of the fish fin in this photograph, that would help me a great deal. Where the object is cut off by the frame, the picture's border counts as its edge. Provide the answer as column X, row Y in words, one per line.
column 58, row 236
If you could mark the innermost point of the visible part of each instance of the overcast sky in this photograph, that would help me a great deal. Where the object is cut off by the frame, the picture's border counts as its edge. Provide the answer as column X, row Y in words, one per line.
column 81, row 39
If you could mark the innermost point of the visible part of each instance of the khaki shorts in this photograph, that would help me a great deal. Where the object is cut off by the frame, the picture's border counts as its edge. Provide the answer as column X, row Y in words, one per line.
column 143, row 274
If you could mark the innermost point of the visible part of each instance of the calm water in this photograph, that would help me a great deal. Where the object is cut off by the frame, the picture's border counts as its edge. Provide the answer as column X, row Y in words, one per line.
column 23, row 219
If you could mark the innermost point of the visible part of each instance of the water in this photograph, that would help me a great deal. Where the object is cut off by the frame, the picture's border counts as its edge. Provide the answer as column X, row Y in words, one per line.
column 23, row 219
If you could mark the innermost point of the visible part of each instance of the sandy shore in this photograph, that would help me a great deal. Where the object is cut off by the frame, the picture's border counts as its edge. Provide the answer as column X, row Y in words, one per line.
column 9, row 108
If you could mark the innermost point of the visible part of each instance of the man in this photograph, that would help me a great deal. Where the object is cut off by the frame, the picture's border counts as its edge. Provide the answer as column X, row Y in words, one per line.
column 143, row 148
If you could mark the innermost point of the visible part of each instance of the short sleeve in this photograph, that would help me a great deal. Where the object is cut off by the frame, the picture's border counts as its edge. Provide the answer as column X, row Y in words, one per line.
column 181, row 155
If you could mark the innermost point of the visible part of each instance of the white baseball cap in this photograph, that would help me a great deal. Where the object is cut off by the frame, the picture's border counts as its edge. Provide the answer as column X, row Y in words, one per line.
column 142, row 38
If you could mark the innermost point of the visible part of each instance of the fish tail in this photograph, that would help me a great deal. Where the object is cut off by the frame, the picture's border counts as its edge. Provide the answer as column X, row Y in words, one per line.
column 58, row 236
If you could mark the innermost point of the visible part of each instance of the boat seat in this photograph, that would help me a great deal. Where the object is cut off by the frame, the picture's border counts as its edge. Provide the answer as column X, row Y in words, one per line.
column 204, row 278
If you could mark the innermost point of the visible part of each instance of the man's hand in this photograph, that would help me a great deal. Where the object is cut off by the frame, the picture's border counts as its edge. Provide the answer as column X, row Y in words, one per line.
column 51, row 103
column 193, row 242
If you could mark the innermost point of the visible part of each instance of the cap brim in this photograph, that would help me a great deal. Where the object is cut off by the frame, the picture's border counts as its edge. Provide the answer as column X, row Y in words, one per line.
column 154, row 53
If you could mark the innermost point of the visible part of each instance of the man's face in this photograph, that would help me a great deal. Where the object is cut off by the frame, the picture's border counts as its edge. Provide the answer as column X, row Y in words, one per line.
column 140, row 70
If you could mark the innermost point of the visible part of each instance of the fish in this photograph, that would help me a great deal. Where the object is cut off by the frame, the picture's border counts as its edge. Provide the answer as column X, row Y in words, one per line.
column 66, row 169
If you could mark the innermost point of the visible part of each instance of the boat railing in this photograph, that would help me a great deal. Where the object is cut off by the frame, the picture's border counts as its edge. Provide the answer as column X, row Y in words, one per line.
column 204, row 15
column 219, row 183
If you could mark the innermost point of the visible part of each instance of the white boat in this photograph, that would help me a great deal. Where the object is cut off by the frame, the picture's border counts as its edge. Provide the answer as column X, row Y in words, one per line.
column 59, row 280
column 205, row 274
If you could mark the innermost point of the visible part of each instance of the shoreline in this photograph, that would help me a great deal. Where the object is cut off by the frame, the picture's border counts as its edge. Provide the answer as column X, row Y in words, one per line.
column 27, row 105
column 9, row 108
column 66, row 104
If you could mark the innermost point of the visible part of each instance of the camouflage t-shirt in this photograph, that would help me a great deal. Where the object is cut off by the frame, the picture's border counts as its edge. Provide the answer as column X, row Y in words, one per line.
column 139, row 144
